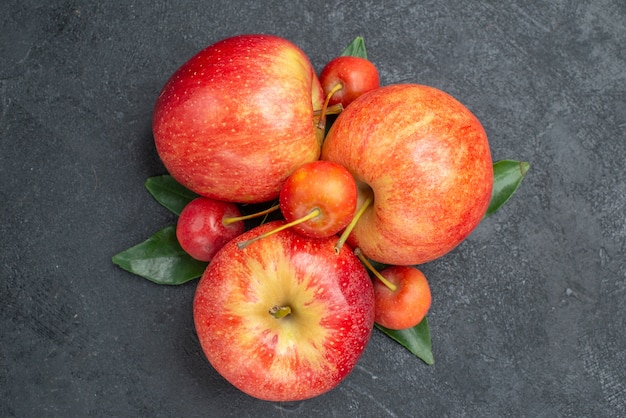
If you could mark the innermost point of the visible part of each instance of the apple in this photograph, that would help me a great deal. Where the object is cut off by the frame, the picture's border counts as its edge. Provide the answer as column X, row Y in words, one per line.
column 235, row 120
column 201, row 230
column 284, row 319
column 404, row 299
column 348, row 77
column 423, row 160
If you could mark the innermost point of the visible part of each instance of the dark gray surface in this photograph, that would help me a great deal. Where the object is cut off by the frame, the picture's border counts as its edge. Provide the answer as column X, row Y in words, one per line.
column 528, row 317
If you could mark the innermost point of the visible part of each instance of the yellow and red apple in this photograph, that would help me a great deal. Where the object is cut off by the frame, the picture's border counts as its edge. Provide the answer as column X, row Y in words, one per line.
column 424, row 159
column 285, row 318
column 238, row 117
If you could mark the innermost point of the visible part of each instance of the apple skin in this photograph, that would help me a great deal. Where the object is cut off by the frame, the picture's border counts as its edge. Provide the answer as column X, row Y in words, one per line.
column 321, row 185
column 304, row 354
column 425, row 158
column 237, row 118
column 357, row 76
column 408, row 304
column 200, row 229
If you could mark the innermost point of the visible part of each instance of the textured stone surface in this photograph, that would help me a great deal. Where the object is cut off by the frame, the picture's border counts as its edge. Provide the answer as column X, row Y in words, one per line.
column 529, row 314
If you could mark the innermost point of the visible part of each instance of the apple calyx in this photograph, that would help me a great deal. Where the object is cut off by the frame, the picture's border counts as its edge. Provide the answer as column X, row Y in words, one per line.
column 321, row 124
column 280, row 312
column 366, row 262
column 312, row 214
column 232, row 220
column 353, row 222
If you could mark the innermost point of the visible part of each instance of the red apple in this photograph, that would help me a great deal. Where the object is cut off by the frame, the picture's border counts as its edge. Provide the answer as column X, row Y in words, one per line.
column 424, row 158
column 406, row 302
column 237, row 118
column 355, row 76
column 201, row 230
column 285, row 318
column 322, row 188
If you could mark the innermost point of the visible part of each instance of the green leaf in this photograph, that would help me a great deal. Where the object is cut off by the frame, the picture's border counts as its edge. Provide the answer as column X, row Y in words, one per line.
column 507, row 176
column 356, row 48
column 169, row 193
column 161, row 259
column 416, row 340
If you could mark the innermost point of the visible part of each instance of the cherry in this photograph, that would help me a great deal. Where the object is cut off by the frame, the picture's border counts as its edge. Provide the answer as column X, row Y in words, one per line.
column 345, row 78
column 201, row 229
column 318, row 200
column 402, row 297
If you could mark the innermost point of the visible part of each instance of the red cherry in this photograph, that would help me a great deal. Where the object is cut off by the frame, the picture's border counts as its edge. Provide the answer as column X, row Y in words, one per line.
column 349, row 77
column 405, row 303
column 201, row 230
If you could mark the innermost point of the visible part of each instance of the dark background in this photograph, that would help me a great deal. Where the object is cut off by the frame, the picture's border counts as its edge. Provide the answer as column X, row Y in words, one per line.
column 529, row 314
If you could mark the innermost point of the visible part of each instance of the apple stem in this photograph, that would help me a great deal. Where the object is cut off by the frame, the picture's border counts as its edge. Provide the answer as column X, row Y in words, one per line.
column 352, row 224
column 322, row 122
column 369, row 265
column 232, row 220
column 279, row 312
column 314, row 213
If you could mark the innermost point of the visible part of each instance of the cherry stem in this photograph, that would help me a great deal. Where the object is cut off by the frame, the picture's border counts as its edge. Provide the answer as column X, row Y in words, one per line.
column 335, row 109
column 369, row 265
column 279, row 312
column 322, row 122
column 314, row 213
column 228, row 221
column 352, row 224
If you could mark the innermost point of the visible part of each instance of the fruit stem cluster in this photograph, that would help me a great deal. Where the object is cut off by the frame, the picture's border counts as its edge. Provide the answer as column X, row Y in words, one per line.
column 322, row 122
column 314, row 213
column 376, row 273
column 352, row 224
column 232, row 220
column 335, row 109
